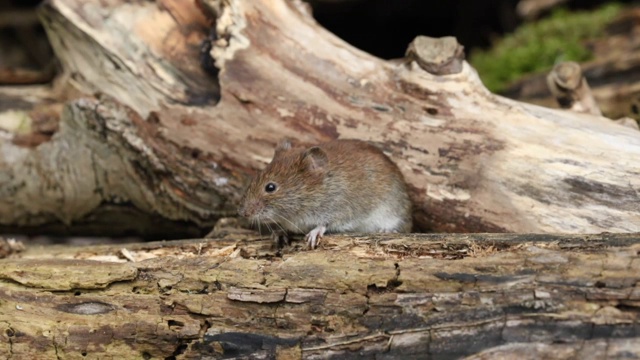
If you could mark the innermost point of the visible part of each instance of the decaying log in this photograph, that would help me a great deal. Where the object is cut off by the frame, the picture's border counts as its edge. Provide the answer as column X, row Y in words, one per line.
column 384, row 296
column 157, row 122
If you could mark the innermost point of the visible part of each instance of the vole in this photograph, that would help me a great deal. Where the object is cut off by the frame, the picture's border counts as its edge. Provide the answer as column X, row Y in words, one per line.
column 338, row 186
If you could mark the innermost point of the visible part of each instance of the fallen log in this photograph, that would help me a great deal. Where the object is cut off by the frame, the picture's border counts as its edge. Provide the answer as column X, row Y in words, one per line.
column 168, row 107
column 385, row 296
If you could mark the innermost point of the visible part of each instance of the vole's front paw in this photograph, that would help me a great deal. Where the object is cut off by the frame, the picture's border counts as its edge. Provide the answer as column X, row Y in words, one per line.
column 314, row 236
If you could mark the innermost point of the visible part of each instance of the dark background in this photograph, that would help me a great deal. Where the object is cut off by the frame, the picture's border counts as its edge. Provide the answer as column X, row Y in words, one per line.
column 385, row 27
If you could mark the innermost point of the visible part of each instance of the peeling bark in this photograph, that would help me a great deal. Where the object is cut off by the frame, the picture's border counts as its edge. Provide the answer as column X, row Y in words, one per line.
column 149, row 127
column 383, row 296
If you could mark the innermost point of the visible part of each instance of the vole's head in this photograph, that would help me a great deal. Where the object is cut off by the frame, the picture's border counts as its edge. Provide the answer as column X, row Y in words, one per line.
column 287, row 186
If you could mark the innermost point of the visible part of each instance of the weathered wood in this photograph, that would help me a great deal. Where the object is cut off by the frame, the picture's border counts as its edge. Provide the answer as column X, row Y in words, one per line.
column 384, row 296
column 156, row 122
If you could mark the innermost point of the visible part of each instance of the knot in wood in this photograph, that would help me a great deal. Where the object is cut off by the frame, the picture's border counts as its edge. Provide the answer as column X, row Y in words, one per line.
column 87, row 308
column 438, row 56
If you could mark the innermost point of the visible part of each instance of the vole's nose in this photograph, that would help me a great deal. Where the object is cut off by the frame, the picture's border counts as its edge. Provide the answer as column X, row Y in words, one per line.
column 247, row 209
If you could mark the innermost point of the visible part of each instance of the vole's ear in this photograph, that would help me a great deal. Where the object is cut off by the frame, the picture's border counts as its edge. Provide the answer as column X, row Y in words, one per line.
column 283, row 145
column 315, row 158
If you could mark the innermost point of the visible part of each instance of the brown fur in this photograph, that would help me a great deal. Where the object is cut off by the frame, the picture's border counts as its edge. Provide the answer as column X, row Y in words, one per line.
column 335, row 184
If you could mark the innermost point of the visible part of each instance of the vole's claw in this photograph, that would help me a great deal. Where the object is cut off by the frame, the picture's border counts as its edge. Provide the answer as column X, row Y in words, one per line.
column 314, row 236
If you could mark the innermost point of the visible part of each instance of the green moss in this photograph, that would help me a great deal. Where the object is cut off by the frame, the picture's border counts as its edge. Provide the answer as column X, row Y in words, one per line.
column 536, row 47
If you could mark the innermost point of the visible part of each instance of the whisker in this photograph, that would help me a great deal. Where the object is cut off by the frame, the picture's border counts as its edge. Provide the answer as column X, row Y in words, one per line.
column 289, row 221
column 268, row 227
column 283, row 234
column 278, row 225
column 259, row 228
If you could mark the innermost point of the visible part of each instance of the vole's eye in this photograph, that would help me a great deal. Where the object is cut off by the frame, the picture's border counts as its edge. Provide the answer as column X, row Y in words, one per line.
column 271, row 187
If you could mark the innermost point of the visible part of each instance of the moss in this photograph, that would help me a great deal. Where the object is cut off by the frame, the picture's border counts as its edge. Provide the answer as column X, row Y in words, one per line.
column 536, row 47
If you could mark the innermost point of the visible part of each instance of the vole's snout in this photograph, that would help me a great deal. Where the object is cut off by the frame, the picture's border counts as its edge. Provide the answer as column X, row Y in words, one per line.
column 248, row 209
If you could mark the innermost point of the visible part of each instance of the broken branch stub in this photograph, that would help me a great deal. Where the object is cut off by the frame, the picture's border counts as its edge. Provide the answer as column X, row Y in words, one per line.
column 568, row 84
column 571, row 90
column 438, row 56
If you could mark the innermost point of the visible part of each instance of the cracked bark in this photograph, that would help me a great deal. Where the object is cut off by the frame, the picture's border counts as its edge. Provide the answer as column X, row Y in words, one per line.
column 159, row 132
column 386, row 296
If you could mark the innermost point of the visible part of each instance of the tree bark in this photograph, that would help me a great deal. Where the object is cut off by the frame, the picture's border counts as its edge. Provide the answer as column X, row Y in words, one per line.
column 384, row 296
column 154, row 122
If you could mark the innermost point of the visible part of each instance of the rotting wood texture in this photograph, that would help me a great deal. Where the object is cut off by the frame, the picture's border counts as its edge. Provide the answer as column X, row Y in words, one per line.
column 169, row 106
column 382, row 297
